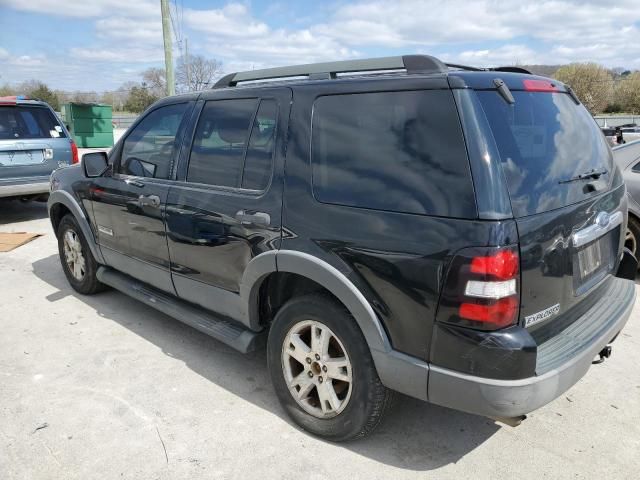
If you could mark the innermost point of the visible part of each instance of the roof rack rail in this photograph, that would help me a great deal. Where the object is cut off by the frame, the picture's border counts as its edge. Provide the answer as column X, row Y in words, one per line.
column 410, row 63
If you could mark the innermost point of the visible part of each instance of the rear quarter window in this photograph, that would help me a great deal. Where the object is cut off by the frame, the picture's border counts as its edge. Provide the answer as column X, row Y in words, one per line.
column 394, row 151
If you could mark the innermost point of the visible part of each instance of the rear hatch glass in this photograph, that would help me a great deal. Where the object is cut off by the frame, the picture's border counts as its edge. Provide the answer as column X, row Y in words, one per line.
column 567, row 199
column 28, row 122
column 545, row 140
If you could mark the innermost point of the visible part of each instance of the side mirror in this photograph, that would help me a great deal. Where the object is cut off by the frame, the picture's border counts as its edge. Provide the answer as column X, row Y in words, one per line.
column 95, row 164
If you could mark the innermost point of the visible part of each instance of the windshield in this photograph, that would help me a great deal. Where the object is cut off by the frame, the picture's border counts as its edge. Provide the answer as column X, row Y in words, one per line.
column 18, row 122
column 545, row 140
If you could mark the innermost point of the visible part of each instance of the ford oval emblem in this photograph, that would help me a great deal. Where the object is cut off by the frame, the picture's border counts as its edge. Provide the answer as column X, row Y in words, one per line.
column 602, row 219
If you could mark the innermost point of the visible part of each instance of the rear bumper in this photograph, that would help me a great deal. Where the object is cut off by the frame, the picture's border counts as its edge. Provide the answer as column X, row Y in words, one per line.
column 510, row 398
column 19, row 188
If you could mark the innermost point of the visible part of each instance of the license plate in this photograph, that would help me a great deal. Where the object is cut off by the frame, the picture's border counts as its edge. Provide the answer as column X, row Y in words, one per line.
column 589, row 259
column 24, row 157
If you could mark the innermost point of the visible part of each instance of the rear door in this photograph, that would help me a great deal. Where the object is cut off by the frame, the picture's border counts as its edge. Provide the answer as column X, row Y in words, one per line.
column 129, row 205
column 567, row 197
column 32, row 142
column 226, row 207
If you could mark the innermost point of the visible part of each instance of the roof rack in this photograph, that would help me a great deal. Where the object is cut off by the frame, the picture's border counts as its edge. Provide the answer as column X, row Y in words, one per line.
column 410, row 63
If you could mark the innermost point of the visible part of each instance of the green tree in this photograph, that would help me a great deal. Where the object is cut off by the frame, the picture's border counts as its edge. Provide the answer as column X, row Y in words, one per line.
column 592, row 83
column 44, row 93
column 628, row 93
column 139, row 99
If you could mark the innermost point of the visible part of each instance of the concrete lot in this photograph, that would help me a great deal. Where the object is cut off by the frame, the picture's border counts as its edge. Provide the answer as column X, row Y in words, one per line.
column 105, row 387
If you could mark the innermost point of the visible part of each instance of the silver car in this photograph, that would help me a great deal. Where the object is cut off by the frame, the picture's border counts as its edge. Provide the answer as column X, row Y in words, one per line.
column 627, row 158
column 33, row 143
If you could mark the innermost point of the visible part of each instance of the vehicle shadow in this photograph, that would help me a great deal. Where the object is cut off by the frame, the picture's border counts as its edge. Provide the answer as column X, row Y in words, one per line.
column 13, row 211
column 415, row 435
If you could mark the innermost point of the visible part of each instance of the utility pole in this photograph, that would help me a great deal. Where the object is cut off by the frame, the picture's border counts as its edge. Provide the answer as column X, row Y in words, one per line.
column 186, row 62
column 168, row 57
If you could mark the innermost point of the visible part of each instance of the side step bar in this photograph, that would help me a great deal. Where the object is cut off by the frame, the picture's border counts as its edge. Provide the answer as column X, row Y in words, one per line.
column 234, row 335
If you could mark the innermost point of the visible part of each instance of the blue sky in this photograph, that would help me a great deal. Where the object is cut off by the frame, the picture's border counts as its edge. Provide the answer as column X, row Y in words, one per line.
column 96, row 45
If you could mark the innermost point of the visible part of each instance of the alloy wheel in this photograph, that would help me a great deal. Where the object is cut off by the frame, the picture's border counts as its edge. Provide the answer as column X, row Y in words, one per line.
column 317, row 369
column 73, row 255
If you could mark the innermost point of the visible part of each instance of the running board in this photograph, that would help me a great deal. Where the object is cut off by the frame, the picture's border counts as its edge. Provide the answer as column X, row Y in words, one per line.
column 234, row 335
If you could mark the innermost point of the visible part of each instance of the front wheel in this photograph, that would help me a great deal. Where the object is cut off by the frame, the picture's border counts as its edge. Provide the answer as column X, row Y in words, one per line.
column 322, row 369
column 77, row 260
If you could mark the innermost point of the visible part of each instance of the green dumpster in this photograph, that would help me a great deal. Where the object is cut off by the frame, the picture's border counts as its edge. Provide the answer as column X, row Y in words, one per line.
column 90, row 124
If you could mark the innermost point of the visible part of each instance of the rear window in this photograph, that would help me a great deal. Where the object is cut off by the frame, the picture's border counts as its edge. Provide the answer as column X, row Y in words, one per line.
column 28, row 122
column 544, row 140
column 395, row 151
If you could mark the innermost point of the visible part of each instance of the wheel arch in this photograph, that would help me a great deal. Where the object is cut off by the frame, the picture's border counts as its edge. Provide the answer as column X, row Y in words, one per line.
column 321, row 273
column 61, row 203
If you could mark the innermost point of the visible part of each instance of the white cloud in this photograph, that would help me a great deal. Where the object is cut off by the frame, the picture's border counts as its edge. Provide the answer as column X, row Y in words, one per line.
column 85, row 8
column 483, row 32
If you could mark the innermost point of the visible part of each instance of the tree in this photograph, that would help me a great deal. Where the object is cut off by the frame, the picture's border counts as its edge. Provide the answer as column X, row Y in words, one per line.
column 140, row 97
column 195, row 72
column 7, row 90
column 155, row 79
column 44, row 93
column 627, row 93
column 592, row 83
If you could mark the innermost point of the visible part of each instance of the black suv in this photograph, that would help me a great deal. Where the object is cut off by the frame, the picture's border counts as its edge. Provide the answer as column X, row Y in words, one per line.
column 394, row 224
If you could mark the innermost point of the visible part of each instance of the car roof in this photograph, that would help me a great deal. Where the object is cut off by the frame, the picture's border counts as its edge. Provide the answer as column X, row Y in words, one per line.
column 21, row 100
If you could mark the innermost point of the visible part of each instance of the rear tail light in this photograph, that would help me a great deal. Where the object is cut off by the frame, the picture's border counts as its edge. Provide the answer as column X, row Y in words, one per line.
column 74, row 153
column 481, row 289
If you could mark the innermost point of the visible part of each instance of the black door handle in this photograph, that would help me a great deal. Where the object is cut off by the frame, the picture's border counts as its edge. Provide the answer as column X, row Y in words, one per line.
column 149, row 201
column 248, row 217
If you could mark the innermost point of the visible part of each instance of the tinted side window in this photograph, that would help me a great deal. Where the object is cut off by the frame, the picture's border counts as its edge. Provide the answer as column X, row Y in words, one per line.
column 397, row 151
column 636, row 167
column 258, row 161
column 150, row 149
column 220, row 142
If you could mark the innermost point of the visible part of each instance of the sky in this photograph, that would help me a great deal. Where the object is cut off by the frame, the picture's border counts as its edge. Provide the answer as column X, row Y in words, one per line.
column 97, row 45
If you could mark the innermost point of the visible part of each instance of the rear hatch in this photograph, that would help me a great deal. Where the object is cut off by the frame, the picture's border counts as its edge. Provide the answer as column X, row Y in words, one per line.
column 32, row 142
column 567, row 198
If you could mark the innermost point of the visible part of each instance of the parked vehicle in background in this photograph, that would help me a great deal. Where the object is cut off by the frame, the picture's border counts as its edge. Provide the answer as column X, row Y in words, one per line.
column 627, row 157
column 33, row 143
column 451, row 233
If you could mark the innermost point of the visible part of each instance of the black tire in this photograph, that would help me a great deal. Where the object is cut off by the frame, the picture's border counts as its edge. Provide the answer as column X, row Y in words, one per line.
column 633, row 227
column 89, row 283
column 369, row 400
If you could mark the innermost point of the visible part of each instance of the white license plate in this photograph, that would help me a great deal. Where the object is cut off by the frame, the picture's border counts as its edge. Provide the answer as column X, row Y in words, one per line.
column 24, row 157
column 589, row 259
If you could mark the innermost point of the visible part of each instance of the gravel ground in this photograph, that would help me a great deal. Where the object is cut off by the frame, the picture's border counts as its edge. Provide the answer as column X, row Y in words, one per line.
column 105, row 387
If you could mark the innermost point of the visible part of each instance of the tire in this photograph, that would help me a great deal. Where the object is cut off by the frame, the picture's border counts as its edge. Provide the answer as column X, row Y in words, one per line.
column 77, row 261
column 632, row 236
column 359, row 403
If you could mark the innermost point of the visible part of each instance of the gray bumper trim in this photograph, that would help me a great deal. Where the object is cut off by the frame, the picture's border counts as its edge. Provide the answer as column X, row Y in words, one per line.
column 24, row 189
column 510, row 398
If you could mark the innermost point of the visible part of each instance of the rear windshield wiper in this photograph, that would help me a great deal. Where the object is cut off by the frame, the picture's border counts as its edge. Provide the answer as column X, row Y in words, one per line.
column 591, row 174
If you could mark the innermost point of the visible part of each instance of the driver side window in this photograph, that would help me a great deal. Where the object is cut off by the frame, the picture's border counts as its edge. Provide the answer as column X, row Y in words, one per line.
column 150, row 149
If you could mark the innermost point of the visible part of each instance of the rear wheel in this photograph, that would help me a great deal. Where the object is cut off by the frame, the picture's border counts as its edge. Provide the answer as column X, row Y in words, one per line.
column 322, row 369
column 632, row 235
column 77, row 260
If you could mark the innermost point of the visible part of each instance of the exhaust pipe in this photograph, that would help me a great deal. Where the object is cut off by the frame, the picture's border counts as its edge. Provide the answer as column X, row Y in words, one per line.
column 604, row 354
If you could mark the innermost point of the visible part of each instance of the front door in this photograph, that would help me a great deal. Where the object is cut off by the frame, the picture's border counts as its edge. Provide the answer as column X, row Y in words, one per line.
column 129, row 205
column 225, row 208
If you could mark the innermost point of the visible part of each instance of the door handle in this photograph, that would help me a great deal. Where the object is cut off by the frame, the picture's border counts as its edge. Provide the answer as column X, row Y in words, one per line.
column 149, row 201
column 133, row 182
column 247, row 217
